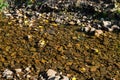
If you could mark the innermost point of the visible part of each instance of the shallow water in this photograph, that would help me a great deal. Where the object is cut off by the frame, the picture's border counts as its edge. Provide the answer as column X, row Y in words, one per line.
column 61, row 48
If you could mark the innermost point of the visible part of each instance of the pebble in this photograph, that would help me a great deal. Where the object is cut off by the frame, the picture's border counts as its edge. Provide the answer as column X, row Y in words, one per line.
column 93, row 68
column 8, row 74
column 58, row 20
column 65, row 78
column 27, row 69
column 8, row 14
column 106, row 23
column 115, row 27
column 69, row 45
column 110, row 29
column 51, row 73
column 98, row 32
column 92, row 29
column 32, row 49
column 41, row 43
column 28, row 76
column 18, row 70
column 54, row 78
column 74, row 38
column 78, row 22
column 82, row 70
column 29, row 36
column 72, row 23
column 87, row 29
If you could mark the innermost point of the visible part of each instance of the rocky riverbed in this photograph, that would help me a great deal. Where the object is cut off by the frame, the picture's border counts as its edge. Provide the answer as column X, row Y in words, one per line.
column 65, row 45
column 65, row 49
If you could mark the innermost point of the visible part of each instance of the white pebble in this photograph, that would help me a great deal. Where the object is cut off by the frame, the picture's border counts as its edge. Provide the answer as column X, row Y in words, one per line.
column 78, row 21
column 57, row 78
column 110, row 29
column 65, row 78
column 18, row 70
column 72, row 23
column 92, row 29
column 8, row 74
column 28, row 76
column 115, row 27
column 106, row 23
column 27, row 68
column 51, row 73
column 87, row 29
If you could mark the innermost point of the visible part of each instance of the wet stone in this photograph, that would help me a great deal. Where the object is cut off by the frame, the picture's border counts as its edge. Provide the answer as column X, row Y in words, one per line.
column 93, row 68
column 32, row 49
column 74, row 37
column 8, row 48
column 69, row 45
column 60, row 49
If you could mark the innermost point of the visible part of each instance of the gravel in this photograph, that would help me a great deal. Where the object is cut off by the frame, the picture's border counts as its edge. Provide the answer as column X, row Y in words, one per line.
column 87, row 24
column 26, row 74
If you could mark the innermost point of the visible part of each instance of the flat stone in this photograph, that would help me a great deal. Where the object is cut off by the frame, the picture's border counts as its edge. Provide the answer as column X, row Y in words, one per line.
column 72, row 23
column 51, row 72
